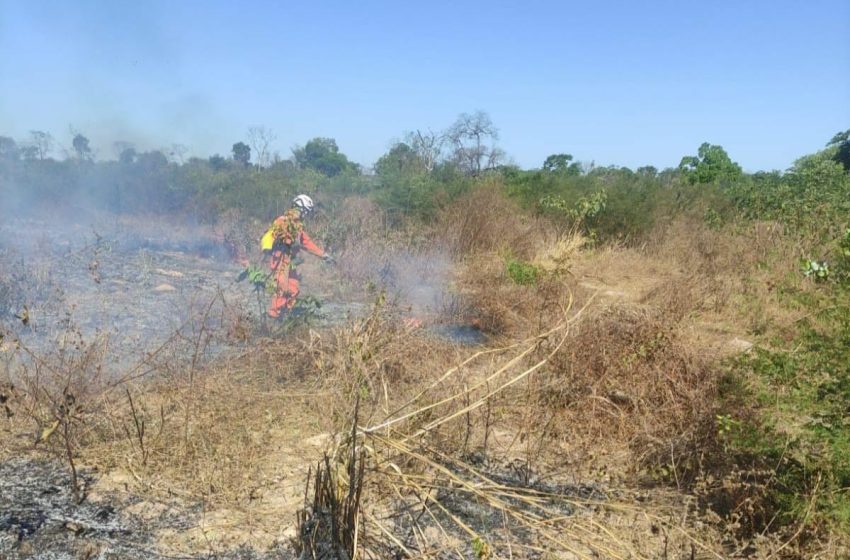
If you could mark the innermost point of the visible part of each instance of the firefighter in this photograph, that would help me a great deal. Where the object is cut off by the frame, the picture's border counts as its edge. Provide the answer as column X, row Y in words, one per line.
column 282, row 242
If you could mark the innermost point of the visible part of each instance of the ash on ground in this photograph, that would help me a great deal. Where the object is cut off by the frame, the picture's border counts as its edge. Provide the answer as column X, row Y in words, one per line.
column 39, row 519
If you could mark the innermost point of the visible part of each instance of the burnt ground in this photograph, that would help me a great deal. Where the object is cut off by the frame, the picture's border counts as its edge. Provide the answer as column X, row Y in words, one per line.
column 131, row 287
column 136, row 285
column 134, row 288
column 39, row 519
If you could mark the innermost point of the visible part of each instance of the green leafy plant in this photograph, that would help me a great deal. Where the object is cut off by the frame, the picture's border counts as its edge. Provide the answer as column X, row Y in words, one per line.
column 581, row 214
column 481, row 548
column 726, row 425
column 799, row 432
column 522, row 273
column 816, row 270
column 259, row 278
column 711, row 164
column 306, row 312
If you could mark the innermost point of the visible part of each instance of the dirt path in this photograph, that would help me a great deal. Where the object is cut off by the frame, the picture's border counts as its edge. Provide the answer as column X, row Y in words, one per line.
column 624, row 277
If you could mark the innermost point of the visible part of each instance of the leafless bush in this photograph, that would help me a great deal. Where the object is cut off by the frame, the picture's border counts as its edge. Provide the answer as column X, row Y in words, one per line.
column 502, row 306
column 87, row 406
column 626, row 374
column 25, row 281
column 239, row 235
column 485, row 220
column 62, row 393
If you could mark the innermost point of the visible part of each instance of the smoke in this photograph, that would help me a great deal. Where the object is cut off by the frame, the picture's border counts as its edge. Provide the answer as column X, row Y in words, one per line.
column 113, row 72
column 418, row 282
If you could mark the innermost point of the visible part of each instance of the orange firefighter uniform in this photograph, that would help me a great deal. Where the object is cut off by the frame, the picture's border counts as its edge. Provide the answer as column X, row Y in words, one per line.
column 289, row 239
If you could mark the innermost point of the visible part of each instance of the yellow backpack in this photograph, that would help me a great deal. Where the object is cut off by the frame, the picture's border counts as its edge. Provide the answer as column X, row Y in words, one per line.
column 286, row 229
column 267, row 241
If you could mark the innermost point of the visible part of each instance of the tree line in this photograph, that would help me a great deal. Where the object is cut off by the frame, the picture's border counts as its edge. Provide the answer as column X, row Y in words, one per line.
column 417, row 176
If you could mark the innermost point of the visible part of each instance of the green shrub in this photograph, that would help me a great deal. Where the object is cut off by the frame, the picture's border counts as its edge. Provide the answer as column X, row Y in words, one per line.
column 812, row 198
column 816, row 270
column 522, row 273
column 801, row 432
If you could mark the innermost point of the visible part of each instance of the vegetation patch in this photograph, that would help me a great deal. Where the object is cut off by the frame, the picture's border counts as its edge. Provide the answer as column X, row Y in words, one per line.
column 801, row 431
column 522, row 273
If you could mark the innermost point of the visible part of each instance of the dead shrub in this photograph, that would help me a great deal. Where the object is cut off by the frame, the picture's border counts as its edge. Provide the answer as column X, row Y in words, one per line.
column 174, row 421
column 375, row 361
column 61, row 394
column 740, row 275
column 329, row 525
column 485, row 220
column 626, row 375
column 26, row 281
column 372, row 257
column 238, row 234
column 502, row 306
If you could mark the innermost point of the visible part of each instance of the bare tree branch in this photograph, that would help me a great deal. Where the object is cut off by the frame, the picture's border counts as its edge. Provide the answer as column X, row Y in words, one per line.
column 472, row 138
column 261, row 139
column 427, row 145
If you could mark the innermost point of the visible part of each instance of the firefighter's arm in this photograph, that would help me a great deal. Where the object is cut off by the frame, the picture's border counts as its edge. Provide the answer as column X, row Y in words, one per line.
column 311, row 247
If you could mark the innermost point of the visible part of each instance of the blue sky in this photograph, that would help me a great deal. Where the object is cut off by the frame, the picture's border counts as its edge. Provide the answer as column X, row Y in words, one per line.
column 627, row 83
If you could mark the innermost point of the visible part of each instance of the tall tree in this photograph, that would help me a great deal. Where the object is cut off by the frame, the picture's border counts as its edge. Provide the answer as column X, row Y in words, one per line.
column 841, row 143
column 82, row 149
column 401, row 159
column 473, row 138
column 242, row 153
column 562, row 164
column 427, row 145
column 120, row 146
column 322, row 155
column 261, row 139
column 41, row 143
column 710, row 164
column 217, row 162
column 128, row 156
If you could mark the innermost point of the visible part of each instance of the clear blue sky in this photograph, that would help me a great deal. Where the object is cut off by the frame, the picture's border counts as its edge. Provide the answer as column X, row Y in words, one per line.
column 627, row 83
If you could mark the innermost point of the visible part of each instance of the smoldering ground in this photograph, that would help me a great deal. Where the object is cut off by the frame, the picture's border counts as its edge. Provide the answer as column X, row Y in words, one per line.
column 106, row 281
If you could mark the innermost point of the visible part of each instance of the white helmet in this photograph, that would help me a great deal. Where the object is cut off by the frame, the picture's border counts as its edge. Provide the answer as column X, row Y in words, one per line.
column 303, row 203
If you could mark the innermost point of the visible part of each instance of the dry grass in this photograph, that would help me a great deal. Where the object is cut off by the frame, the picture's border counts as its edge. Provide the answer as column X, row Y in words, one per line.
column 78, row 404
column 485, row 221
column 635, row 388
column 627, row 376
column 507, row 309
column 419, row 458
column 732, row 276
